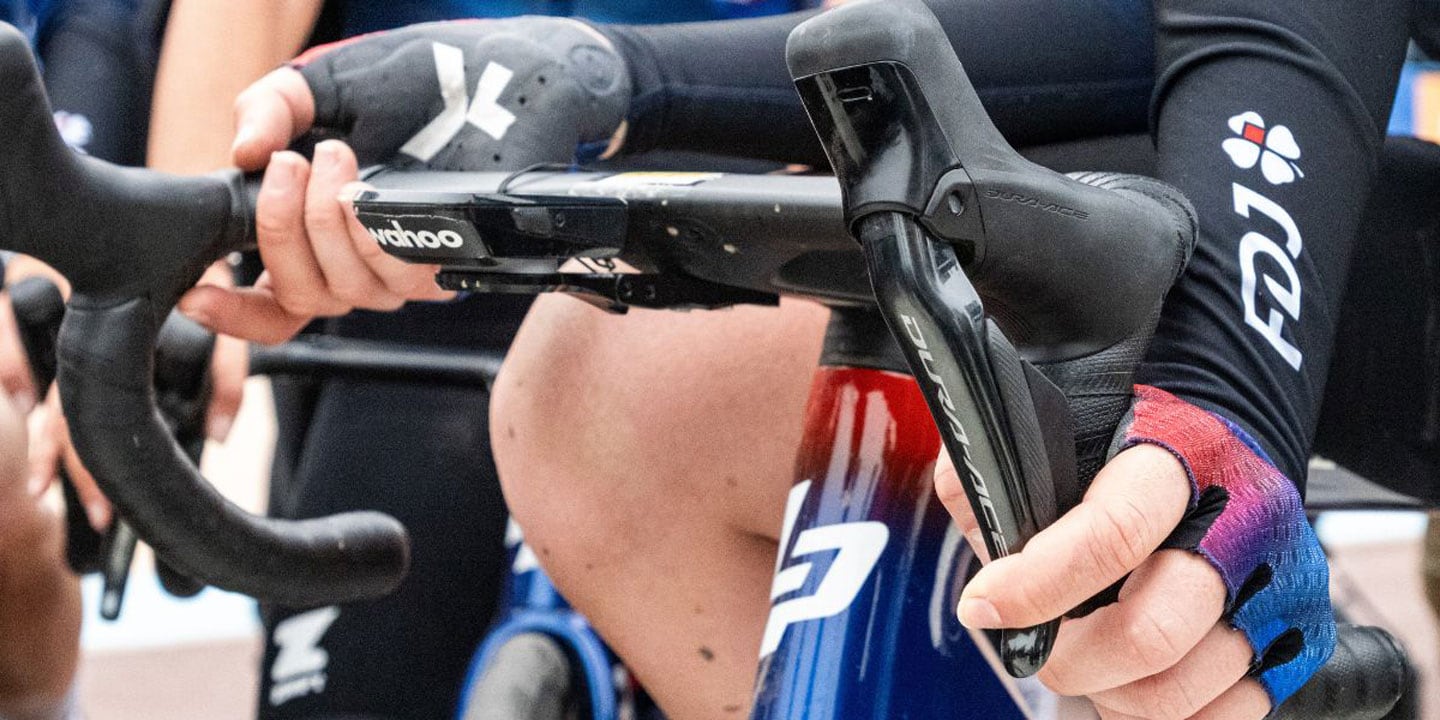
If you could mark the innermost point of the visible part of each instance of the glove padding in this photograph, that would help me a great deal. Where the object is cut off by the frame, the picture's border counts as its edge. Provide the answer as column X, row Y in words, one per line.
column 470, row 95
column 1248, row 520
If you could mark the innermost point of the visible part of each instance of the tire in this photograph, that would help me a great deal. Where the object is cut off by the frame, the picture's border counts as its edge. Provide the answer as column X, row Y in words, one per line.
column 530, row 677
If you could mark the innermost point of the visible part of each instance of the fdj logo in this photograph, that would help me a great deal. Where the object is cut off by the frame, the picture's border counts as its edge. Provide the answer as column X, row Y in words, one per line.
column 857, row 547
column 1276, row 151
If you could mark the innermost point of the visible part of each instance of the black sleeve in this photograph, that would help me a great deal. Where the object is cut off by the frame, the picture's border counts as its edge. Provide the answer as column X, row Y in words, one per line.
column 1268, row 116
column 723, row 87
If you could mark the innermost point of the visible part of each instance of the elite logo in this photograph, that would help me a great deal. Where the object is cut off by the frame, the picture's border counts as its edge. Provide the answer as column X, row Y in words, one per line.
column 299, row 667
column 396, row 236
column 859, row 547
column 1275, row 149
column 484, row 112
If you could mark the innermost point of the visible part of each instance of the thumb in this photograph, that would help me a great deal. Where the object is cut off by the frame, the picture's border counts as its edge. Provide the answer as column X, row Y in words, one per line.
column 952, row 495
column 269, row 114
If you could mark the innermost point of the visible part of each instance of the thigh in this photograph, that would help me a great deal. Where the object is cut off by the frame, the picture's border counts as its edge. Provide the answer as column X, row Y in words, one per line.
column 647, row 458
column 98, row 74
column 707, row 404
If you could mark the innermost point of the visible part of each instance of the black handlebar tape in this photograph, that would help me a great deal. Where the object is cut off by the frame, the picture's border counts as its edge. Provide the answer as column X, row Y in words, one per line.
column 1363, row 680
column 338, row 357
column 39, row 309
column 130, row 241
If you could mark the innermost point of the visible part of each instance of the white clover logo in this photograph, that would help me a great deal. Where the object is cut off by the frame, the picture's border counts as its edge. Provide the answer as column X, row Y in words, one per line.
column 1275, row 149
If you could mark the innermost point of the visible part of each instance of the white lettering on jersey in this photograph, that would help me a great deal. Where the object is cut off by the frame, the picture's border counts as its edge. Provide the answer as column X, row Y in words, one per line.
column 1284, row 295
column 299, row 667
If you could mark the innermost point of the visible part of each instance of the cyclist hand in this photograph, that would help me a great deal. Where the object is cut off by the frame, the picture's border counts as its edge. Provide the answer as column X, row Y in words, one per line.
column 15, row 376
column 229, row 366
column 50, row 449
column 1170, row 644
column 542, row 87
column 49, row 439
column 320, row 261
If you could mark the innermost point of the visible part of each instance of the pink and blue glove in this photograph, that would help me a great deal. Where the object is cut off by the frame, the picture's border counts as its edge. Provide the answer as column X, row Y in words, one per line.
column 1248, row 520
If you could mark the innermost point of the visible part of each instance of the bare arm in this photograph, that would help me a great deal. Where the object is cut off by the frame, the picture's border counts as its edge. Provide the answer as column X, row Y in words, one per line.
column 213, row 49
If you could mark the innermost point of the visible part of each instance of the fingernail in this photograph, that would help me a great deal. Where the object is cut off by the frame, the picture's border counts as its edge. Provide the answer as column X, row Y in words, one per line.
column 24, row 401
column 98, row 513
column 978, row 614
column 242, row 138
column 976, row 538
column 281, row 168
column 324, row 154
column 220, row 427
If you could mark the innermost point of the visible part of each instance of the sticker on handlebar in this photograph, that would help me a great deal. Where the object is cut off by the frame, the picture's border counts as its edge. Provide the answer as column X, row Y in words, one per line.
column 667, row 179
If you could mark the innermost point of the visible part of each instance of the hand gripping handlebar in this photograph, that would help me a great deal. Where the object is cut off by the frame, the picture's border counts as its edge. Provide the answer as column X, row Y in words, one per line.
column 971, row 247
column 130, row 241
column 965, row 239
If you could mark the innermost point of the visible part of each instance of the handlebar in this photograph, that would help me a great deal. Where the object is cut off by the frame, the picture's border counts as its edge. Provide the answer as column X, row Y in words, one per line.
column 134, row 240
column 130, row 241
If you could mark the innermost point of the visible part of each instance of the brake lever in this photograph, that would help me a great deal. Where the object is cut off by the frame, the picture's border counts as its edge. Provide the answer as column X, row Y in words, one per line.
column 910, row 202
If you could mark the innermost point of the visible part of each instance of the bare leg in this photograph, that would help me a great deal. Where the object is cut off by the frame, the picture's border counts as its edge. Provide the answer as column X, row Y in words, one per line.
column 648, row 457
column 39, row 597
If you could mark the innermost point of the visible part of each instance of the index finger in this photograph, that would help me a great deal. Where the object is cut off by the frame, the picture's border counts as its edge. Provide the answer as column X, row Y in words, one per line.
column 15, row 376
column 269, row 114
column 247, row 313
column 1133, row 505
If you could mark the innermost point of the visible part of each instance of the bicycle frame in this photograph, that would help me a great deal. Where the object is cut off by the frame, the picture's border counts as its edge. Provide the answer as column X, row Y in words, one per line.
column 534, row 605
column 870, row 569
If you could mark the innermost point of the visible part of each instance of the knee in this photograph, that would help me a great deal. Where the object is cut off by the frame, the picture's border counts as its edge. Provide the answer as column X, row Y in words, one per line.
column 614, row 424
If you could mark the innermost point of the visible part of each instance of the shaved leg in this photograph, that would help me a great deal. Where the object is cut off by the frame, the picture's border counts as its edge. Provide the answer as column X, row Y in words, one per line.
column 647, row 458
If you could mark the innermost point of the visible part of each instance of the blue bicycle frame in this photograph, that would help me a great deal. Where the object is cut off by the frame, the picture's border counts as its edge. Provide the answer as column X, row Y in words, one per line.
column 863, row 622
column 534, row 605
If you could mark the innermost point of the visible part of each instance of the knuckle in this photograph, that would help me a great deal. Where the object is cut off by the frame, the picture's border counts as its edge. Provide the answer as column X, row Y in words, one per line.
column 1176, row 699
column 1118, row 538
column 274, row 226
column 1058, row 679
column 1153, row 640
column 1028, row 603
column 298, row 303
column 321, row 216
column 351, row 292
